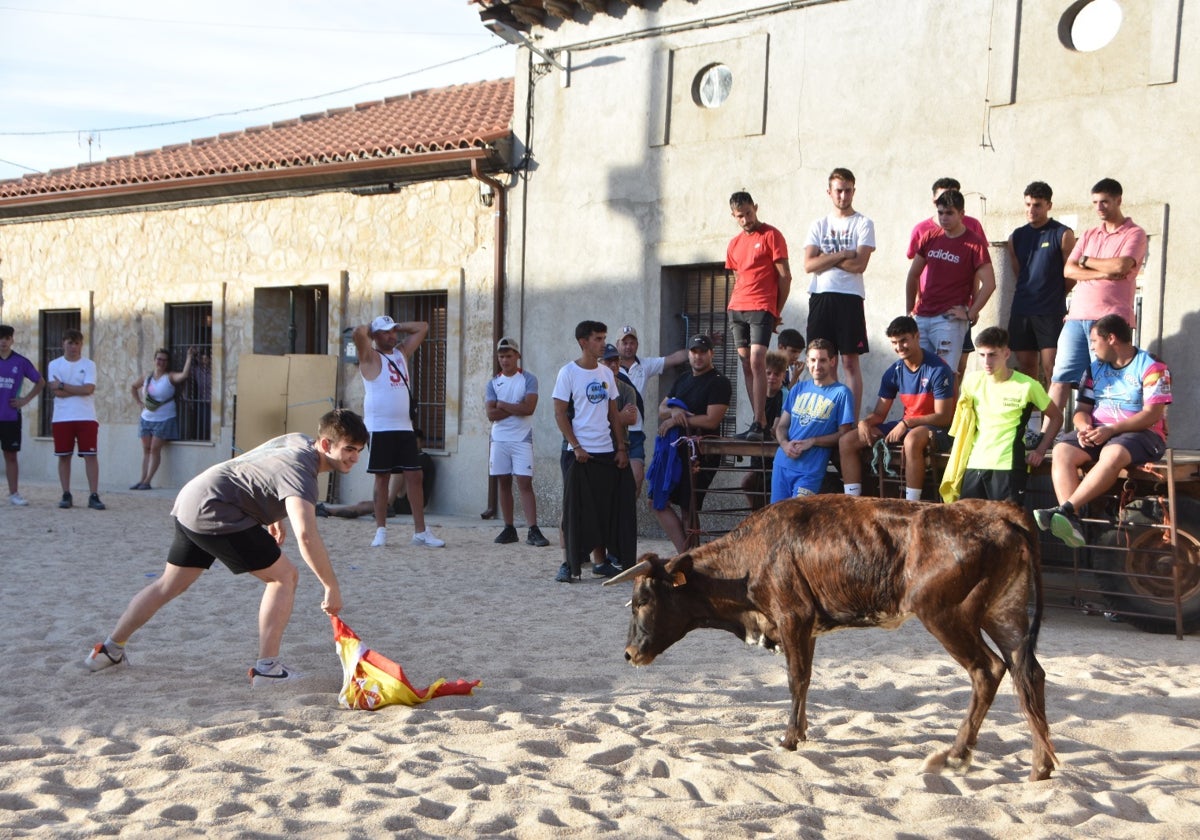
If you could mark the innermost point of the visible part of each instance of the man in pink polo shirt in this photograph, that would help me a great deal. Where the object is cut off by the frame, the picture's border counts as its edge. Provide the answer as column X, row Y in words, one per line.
column 1104, row 265
column 759, row 257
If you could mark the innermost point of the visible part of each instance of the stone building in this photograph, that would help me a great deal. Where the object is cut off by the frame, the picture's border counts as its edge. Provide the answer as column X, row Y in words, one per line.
column 262, row 247
column 641, row 117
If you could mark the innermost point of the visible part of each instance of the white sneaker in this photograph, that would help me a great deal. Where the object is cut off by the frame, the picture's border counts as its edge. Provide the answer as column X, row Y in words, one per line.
column 279, row 674
column 101, row 657
column 427, row 539
column 17, row 499
column 380, row 538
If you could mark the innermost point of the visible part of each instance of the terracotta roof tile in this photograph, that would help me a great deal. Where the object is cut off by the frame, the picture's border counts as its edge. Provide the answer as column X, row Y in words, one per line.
column 443, row 119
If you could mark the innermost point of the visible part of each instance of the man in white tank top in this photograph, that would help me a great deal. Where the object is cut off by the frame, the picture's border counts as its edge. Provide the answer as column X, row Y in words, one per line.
column 383, row 364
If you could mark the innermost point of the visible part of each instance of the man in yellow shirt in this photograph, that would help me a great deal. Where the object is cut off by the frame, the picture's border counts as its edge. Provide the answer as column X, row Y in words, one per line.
column 1002, row 399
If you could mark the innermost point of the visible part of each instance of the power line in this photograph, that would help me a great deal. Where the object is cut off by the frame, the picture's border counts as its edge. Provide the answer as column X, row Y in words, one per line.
column 240, row 111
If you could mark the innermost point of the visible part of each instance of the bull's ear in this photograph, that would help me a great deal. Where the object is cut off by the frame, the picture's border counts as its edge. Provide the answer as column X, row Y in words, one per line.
column 677, row 569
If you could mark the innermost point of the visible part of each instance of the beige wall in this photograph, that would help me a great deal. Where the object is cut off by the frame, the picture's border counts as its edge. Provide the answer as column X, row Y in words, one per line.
column 632, row 177
column 121, row 269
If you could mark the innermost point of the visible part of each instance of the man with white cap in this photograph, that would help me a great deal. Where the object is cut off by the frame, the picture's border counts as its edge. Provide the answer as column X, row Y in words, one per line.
column 638, row 371
column 389, row 410
column 510, row 400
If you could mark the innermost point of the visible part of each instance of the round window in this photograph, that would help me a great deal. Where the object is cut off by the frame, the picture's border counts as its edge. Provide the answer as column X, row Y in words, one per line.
column 712, row 86
column 1089, row 25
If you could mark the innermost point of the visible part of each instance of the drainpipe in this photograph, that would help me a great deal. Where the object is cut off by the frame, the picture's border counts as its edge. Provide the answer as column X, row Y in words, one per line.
column 501, row 235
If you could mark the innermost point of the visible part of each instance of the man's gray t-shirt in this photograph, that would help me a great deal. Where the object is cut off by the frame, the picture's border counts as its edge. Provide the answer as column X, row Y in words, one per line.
column 250, row 489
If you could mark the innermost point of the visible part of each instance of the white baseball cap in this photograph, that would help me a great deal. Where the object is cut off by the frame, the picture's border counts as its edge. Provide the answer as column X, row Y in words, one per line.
column 383, row 323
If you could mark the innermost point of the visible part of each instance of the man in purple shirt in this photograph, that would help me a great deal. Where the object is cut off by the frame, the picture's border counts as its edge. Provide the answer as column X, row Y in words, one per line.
column 14, row 370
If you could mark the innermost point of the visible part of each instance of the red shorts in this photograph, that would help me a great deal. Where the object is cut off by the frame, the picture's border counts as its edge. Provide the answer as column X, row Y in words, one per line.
column 68, row 432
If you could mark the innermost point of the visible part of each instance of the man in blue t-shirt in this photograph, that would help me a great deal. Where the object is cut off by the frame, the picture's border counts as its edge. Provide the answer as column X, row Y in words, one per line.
column 816, row 413
column 925, row 386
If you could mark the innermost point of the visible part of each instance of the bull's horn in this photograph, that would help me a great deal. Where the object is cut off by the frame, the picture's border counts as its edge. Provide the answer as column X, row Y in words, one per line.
column 631, row 572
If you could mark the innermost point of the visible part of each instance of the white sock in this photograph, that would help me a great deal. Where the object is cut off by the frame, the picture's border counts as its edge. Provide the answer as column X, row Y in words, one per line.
column 268, row 666
column 853, row 489
column 113, row 646
column 912, row 494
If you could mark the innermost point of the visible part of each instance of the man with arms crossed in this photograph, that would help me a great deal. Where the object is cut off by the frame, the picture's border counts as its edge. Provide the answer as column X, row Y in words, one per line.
column 838, row 250
column 1104, row 266
column 387, row 400
column 14, row 370
column 925, row 385
column 511, row 398
column 234, row 512
column 759, row 257
column 72, row 382
column 1120, row 420
column 816, row 413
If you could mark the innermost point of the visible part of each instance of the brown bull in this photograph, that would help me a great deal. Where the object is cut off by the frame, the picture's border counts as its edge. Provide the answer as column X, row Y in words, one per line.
column 804, row 567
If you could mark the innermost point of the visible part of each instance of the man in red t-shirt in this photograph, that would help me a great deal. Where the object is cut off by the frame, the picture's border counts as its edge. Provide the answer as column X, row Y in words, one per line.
column 949, row 281
column 758, row 255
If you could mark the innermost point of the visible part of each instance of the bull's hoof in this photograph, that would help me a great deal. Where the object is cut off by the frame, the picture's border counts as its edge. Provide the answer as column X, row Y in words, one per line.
column 788, row 743
column 1040, row 774
column 937, row 762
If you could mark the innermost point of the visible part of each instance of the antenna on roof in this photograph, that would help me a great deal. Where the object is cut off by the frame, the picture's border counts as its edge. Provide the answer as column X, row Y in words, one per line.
column 92, row 138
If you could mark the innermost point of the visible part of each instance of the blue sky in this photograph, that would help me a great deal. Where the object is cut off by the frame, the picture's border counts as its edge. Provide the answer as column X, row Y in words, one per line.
column 87, row 70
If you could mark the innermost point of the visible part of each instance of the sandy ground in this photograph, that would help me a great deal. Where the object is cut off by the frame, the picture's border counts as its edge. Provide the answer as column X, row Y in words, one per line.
column 563, row 739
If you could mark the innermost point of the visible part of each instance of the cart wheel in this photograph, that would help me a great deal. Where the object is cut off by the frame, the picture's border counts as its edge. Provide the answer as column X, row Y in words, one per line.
column 1144, row 595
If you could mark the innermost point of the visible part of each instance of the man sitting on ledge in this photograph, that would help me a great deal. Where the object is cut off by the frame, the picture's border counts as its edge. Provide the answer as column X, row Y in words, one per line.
column 1120, row 421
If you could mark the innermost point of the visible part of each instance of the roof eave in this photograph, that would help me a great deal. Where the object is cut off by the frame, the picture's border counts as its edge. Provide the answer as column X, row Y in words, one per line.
column 404, row 169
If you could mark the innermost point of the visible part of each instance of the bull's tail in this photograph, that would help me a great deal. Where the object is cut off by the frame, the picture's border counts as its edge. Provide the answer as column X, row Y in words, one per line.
column 1029, row 679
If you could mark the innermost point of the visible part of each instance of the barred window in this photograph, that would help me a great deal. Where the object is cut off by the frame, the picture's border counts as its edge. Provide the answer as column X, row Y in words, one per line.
column 190, row 325
column 704, row 292
column 52, row 323
column 428, row 365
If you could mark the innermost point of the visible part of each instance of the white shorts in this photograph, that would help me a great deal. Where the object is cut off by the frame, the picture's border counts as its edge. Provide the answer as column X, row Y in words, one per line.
column 511, row 457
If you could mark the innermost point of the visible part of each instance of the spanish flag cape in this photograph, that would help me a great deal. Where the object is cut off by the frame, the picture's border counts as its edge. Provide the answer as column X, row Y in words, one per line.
column 370, row 680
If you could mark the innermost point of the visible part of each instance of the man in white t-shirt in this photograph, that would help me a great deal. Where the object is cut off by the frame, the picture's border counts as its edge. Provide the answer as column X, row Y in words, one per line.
column 596, row 461
column 71, row 381
column 639, row 372
column 511, row 398
column 836, row 254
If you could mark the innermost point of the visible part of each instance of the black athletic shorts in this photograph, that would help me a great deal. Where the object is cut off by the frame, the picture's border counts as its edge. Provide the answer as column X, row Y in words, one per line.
column 1034, row 332
column 997, row 485
column 839, row 318
column 393, row 452
column 10, row 435
column 251, row 550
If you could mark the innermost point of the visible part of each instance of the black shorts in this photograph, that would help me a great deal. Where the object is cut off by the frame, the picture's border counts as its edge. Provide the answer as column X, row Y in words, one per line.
column 1144, row 447
column 251, row 550
column 839, row 318
column 10, row 435
column 997, row 485
column 968, row 344
column 393, row 452
column 754, row 327
column 1034, row 332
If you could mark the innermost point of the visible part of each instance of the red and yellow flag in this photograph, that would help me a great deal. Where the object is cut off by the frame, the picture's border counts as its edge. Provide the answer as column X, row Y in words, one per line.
column 370, row 680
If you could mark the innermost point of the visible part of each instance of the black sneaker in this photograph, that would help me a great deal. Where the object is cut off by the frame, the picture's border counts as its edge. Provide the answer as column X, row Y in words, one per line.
column 1043, row 517
column 322, row 511
column 508, row 535
column 754, row 433
column 606, row 569
column 1068, row 528
column 94, row 502
column 66, row 501
column 536, row 538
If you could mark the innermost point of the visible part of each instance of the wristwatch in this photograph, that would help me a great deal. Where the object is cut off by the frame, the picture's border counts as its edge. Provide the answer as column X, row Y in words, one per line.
column 1083, row 262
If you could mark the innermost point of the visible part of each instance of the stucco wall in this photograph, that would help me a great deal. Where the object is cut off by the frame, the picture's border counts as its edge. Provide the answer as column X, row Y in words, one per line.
column 630, row 177
column 121, row 269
